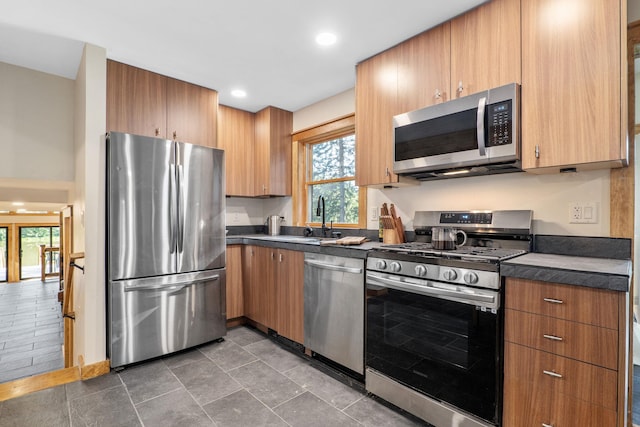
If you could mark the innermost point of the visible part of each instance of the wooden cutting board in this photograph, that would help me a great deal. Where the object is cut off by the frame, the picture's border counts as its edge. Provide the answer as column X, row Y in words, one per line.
column 349, row 240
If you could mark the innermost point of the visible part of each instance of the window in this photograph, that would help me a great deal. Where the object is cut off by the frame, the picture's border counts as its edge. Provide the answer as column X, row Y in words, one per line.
column 326, row 167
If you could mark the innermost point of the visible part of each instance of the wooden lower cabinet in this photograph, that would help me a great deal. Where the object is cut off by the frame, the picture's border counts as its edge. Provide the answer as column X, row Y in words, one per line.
column 290, row 286
column 563, row 369
column 235, row 293
column 273, row 289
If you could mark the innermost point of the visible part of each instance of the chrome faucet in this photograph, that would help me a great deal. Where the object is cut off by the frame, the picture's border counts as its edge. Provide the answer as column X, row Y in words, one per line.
column 320, row 211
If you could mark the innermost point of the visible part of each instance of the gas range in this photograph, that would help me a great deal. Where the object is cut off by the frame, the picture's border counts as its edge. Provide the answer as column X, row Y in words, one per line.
column 491, row 237
column 473, row 253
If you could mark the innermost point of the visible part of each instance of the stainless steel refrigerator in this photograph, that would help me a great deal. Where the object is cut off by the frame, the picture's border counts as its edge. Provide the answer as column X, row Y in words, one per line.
column 166, row 246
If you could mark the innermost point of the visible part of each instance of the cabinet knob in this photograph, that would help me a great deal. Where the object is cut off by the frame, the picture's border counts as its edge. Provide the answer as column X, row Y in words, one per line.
column 438, row 94
column 537, row 152
column 157, row 132
column 175, row 135
column 460, row 87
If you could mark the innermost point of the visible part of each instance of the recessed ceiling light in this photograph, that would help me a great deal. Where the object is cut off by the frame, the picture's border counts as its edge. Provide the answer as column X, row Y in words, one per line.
column 238, row 93
column 17, row 204
column 326, row 39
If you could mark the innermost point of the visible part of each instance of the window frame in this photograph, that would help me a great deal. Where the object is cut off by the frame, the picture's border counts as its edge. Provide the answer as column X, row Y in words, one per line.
column 302, row 142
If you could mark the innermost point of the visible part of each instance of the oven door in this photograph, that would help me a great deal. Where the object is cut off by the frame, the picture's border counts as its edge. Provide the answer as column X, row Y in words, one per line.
column 439, row 339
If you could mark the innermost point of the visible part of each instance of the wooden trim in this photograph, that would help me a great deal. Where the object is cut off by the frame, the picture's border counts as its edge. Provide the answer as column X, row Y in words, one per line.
column 23, row 386
column 94, row 370
column 325, row 130
column 625, row 359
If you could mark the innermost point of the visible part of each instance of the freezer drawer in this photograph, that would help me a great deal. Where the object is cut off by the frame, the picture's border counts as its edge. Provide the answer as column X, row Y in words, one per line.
column 159, row 315
column 334, row 308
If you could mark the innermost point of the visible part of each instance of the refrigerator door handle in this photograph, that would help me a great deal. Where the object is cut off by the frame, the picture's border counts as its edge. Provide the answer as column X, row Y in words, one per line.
column 174, row 287
column 181, row 211
column 172, row 208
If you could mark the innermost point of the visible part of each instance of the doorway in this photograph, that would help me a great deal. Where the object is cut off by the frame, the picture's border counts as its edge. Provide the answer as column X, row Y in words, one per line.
column 4, row 252
column 31, row 240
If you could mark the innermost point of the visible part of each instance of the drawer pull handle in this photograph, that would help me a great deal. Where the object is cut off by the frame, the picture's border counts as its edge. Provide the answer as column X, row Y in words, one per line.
column 554, row 301
column 552, row 374
column 546, row 425
column 552, row 337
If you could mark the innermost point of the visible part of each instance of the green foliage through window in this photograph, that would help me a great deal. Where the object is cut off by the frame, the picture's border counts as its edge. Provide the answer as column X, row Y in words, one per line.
column 333, row 161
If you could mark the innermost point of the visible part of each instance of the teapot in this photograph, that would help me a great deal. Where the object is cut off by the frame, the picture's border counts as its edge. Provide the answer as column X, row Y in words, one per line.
column 446, row 238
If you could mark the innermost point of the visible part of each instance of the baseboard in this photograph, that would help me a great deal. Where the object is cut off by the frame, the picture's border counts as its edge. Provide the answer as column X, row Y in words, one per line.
column 94, row 370
column 23, row 386
column 232, row 323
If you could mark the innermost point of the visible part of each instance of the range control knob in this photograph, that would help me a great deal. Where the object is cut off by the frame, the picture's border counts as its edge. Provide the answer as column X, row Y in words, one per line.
column 450, row 274
column 421, row 270
column 395, row 267
column 381, row 264
column 471, row 278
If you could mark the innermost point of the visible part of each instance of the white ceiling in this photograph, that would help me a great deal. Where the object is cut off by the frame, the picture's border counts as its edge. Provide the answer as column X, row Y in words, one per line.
column 264, row 47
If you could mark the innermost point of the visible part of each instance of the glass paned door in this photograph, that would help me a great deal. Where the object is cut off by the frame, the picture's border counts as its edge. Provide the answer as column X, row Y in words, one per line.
column 4, row 251
column 31, row 238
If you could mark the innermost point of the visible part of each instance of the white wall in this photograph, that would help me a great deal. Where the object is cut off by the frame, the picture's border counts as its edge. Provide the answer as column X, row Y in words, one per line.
column 326, row 110
column 89, row 205
column 36, row 125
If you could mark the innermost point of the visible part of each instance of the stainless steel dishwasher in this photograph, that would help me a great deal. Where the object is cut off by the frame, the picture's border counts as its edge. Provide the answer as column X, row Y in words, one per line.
column 334, row 308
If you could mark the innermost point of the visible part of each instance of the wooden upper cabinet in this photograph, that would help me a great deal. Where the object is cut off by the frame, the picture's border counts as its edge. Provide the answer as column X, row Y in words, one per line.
column 191, row 113
column 136, row 100
column 236, row 135
column 423, row 69
column 485, row 48
column 376, row 104
column 145, row 103
column 272, row 152
column 573, row 88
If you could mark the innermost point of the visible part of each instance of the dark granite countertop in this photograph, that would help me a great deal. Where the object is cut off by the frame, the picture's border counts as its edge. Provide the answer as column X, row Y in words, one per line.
column 297, row 243
column 602, row 273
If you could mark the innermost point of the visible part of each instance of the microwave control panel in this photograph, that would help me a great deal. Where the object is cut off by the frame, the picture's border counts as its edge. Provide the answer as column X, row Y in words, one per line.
column 499, row 119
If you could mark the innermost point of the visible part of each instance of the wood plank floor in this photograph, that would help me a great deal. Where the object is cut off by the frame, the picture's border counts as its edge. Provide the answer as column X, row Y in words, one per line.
column 31, row 329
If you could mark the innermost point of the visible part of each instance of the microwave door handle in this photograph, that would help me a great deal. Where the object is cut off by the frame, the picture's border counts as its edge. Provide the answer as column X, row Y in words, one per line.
column 482, row 104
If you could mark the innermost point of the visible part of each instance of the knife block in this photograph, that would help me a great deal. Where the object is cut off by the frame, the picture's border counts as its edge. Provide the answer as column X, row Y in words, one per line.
column 390, row 236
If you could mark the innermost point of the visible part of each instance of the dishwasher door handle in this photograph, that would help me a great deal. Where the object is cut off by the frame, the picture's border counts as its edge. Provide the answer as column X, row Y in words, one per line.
column 319, row 264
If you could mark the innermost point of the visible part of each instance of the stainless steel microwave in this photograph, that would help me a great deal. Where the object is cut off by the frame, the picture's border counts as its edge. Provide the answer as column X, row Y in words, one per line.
column 475, row 135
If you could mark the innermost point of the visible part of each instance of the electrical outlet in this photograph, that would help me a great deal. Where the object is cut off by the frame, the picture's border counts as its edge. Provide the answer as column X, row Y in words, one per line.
column 374, row 214
column 583, row 213
column 235, row 218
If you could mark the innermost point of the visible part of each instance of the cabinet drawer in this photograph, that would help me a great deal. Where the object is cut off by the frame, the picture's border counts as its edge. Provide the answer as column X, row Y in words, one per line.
column 561, row 376
column 586, row 305
column 587, row 343
column 524, row 407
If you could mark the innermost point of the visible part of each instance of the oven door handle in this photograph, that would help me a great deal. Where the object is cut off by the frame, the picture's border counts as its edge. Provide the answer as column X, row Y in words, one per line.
column 428, row 289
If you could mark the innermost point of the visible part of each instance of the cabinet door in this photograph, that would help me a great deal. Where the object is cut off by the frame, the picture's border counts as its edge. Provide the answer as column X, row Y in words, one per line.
column 136, row 100
column 290, row 298
column 571, row 78
column 235, row 296
column 272, row 155
column 236, row 138
column 485, row 48
column 423, row 70
column 191, row 113
column 376, row 104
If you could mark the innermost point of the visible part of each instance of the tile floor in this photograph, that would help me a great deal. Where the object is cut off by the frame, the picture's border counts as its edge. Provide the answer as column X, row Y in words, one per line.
column 31, row 329
column 247, row 380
